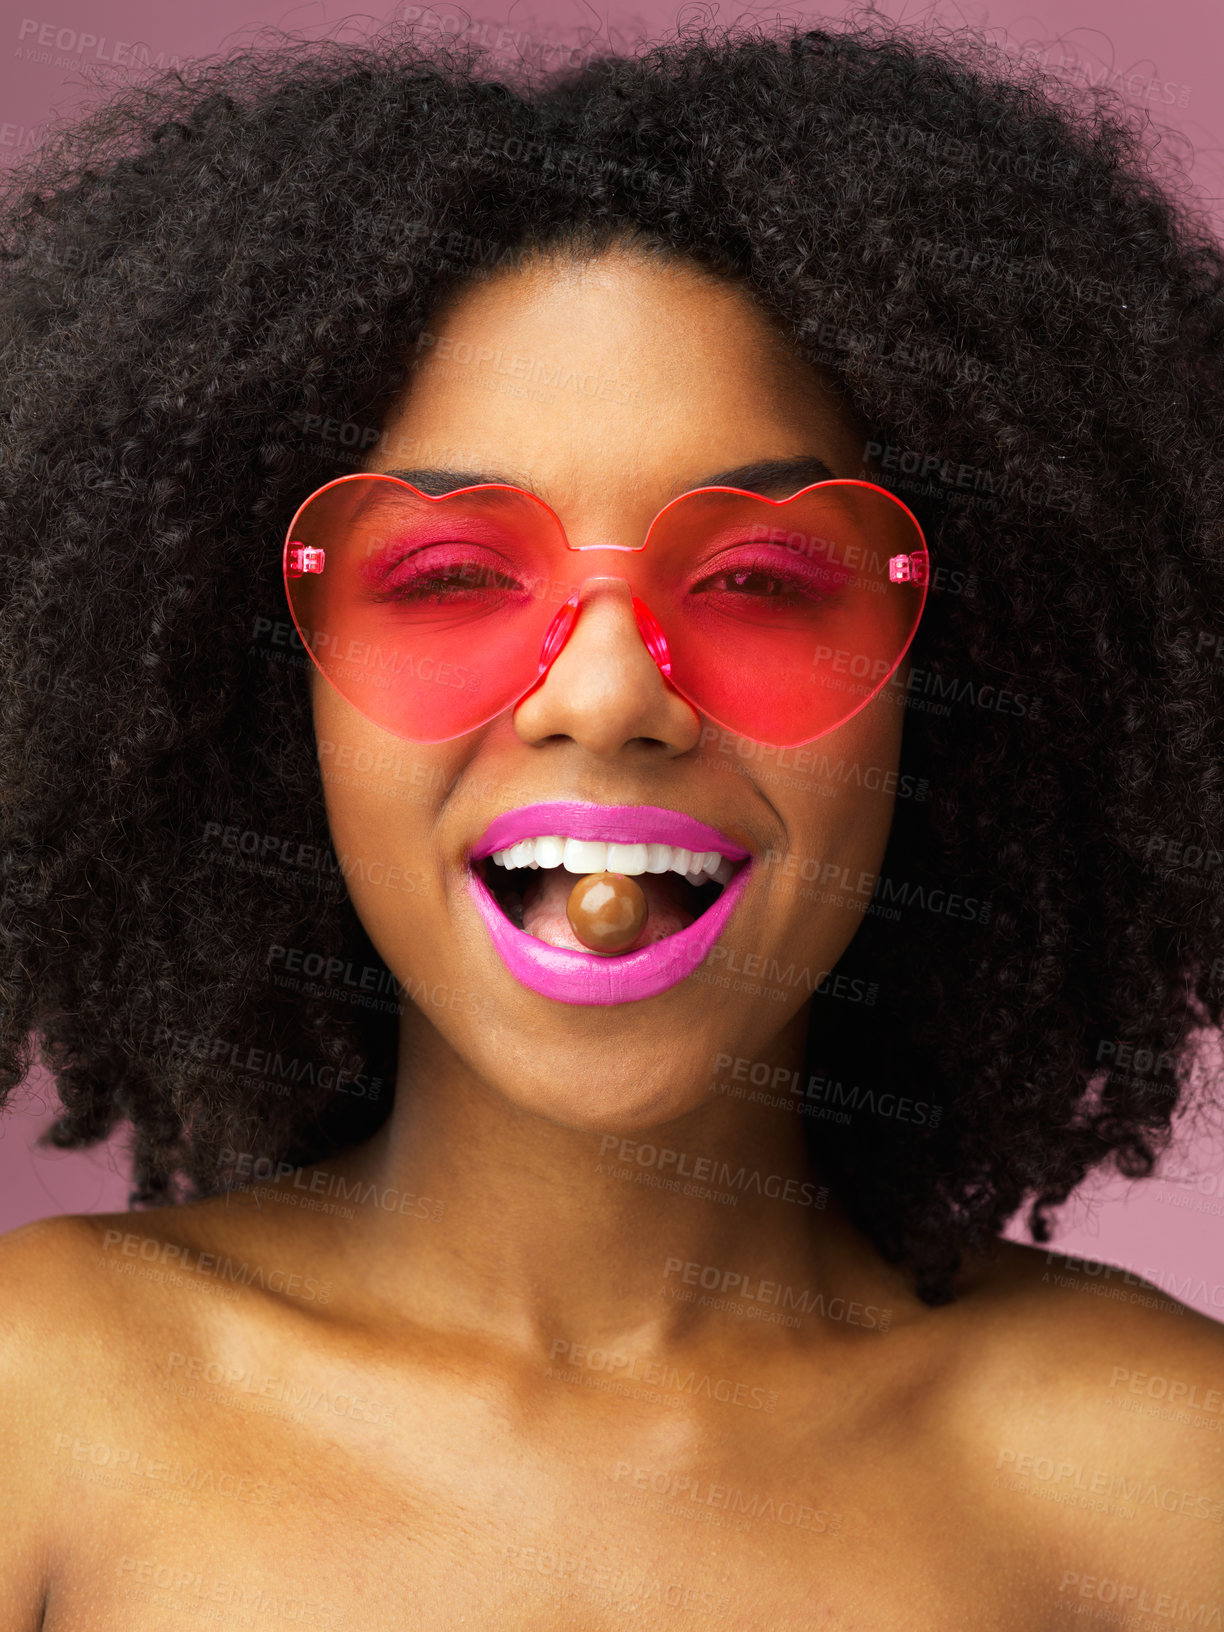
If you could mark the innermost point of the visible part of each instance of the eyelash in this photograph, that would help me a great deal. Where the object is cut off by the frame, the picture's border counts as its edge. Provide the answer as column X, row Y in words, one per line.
column 437, row 580
column 405, row 582
column 804, row 585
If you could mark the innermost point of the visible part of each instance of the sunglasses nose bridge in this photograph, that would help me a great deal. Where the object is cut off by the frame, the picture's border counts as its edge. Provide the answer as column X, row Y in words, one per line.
column 593, row 588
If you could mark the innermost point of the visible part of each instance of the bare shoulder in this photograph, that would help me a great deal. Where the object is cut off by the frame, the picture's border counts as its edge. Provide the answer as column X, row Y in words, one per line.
column 49, row 1333
column 1095, row 1403
column 96, row 1310
column 49, row 1303
column 70, row 1293
column 88, row 1304
column 70, row 1320
column 93, row 1300
column 1105, row 1334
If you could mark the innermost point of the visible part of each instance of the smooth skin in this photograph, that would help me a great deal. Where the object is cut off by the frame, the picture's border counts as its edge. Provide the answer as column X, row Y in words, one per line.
column 493, row 1396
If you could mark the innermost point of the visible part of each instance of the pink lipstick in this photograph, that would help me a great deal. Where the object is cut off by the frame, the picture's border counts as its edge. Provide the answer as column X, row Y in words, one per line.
column 588, row 978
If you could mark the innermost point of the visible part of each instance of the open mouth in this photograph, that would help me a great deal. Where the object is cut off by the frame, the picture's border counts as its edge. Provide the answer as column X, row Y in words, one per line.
column 531, row 880
column 691, row 894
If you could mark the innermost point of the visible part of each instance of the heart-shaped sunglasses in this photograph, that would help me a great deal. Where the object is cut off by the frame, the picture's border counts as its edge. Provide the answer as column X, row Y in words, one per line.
column 779, row 619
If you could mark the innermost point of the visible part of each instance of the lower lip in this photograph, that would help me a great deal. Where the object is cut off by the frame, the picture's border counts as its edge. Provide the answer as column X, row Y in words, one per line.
column 587, row 978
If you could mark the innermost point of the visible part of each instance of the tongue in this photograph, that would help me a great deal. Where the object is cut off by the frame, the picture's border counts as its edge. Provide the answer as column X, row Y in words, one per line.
column 545, row 898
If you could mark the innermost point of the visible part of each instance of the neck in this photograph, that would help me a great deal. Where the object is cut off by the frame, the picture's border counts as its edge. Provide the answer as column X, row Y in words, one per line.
column 533, row 1235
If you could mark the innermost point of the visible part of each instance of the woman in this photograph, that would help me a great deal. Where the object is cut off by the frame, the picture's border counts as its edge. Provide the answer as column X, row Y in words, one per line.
column 494, row 1273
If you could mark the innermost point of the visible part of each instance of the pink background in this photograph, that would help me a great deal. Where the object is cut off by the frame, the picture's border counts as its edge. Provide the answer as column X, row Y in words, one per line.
column 1163, row 61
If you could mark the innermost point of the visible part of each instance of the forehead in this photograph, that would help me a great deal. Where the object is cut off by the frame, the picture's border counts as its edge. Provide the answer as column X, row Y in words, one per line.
column 609, row 370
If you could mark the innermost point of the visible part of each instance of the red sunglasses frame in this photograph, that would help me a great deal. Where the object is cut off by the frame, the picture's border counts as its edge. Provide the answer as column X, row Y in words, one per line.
column 912, row 566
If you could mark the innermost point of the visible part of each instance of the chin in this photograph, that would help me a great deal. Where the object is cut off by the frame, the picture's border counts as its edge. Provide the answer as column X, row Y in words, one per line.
column 592, row 1101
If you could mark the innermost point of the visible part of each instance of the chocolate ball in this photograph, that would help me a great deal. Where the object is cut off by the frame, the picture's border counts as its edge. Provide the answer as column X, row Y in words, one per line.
column 607, row 911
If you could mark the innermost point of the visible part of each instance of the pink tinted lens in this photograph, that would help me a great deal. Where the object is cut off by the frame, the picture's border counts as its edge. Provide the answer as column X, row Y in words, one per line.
column 778, row 620
column 427, row 615
column 783, row 619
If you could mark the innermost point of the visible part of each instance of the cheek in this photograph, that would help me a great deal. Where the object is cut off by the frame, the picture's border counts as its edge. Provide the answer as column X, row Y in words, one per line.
column 382, row 795
column 838, row 816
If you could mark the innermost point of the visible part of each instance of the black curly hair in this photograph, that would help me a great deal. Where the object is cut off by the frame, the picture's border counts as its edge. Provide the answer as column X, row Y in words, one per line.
column 212, row 289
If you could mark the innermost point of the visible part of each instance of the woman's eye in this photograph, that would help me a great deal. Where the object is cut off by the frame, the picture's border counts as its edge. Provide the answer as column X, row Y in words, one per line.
column 768, row 582
column 425, row 580
column 752, row 581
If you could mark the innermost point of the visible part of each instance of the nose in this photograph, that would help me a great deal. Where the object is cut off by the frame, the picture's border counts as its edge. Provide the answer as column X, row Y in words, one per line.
column 604, row 690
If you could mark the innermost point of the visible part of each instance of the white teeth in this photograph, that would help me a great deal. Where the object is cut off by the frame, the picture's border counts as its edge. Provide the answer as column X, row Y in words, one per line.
column 585, row 856
column 549, row 851
column 626, row 858
column 594, row 856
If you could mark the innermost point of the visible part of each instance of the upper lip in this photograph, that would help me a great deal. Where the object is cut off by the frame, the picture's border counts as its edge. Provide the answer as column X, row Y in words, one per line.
column 615, row 824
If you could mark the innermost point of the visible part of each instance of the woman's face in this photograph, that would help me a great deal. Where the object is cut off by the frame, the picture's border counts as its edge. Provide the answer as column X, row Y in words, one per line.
column 662, row 378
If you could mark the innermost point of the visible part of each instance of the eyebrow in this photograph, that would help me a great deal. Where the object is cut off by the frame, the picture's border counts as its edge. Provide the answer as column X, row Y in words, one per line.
column 763, row 476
